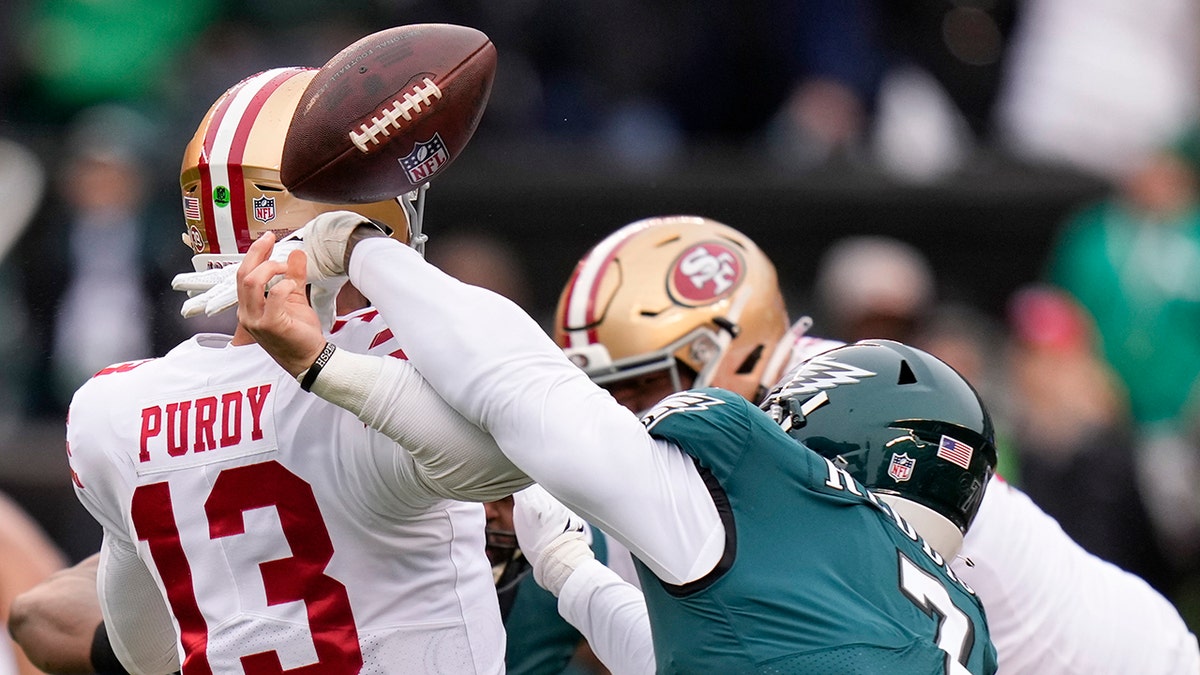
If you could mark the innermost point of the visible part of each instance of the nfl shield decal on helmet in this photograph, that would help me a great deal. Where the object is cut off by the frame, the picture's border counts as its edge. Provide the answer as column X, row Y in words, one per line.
column 705, row 273
column 901, row 467
column 264, row 209
column 425, row 159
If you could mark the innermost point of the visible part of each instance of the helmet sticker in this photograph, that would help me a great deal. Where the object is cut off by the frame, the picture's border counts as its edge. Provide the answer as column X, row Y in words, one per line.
column 264, row 209
column 704, row 274
column 221, row 196
column 901, row 467
column 191, row 208
column 677, row 403
column 821, row 372
column 955, row 451
column 197, row 239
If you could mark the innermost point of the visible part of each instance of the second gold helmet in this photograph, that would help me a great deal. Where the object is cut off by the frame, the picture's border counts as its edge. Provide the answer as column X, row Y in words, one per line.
column 673, row 291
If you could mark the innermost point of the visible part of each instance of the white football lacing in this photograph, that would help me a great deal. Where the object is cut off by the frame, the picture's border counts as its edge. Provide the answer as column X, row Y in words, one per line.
column 392, row 115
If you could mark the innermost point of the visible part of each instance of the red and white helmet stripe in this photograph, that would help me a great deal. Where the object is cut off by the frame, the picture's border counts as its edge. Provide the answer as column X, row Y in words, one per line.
column 221, row 157
column 579, row 316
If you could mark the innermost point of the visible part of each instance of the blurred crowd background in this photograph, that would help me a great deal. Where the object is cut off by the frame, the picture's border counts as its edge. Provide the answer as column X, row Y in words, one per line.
column 1011, row 184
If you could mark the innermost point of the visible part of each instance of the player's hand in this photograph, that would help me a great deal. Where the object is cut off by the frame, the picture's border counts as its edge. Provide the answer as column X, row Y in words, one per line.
column 551, row 536
column 325, row 240
column 213, row 291
column 280, row 318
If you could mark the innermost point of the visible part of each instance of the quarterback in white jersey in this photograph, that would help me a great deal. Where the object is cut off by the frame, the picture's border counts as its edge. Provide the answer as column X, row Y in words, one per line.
column 280, row 531
column 250, row 527
column 1052, row 607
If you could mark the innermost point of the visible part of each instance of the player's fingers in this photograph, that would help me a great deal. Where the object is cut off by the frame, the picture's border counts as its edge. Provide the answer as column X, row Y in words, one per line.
column 297, row 267
column 250, row 281
column 259, row 251
column 252, row 287
column 277, row 296
column 255, row 276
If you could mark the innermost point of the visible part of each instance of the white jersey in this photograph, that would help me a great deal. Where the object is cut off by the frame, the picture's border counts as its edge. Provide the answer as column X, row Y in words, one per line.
column 1051, row 606
column 281, row 532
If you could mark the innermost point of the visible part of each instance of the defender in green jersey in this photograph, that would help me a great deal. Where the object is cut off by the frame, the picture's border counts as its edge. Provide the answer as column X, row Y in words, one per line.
column 819, row 575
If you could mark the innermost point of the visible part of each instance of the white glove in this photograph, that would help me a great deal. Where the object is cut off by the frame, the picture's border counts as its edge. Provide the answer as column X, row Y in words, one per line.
column 209, row 286
column 324, row 238
column 214, row 291
column 552, row 538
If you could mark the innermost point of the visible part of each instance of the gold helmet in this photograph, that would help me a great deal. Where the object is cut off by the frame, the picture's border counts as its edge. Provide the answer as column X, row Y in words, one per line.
column 670, row 291
column 230, row 175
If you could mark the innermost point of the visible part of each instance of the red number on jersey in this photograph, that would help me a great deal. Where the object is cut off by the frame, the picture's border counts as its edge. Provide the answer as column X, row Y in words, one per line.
column 121, row 367
column 300, row 576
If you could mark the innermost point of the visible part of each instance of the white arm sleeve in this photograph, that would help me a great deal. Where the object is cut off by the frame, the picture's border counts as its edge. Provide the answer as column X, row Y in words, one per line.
column 611, row 614
column 136, row 617
column 458, row 459
column 496, row 366
column 620, row 560
column 1052, row 607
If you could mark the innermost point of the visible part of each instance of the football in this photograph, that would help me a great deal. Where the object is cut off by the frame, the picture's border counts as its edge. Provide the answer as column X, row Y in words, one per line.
column 388, row 113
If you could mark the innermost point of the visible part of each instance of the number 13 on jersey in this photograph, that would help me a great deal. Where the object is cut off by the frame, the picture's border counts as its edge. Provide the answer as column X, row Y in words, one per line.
column 299, row 576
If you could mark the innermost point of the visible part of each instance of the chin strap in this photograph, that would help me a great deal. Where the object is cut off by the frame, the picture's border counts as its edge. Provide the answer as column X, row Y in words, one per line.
column 413, row 204
column 729, row 329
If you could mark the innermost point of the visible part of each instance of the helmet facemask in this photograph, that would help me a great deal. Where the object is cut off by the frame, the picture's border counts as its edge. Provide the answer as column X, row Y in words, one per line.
column 703, row 347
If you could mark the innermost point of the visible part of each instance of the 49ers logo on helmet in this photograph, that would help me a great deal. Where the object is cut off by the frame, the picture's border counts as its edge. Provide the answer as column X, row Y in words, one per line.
column 704, row 274
column 197, row 239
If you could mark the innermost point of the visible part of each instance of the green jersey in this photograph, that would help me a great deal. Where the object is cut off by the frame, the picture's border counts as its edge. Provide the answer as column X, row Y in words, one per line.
column 818, row 575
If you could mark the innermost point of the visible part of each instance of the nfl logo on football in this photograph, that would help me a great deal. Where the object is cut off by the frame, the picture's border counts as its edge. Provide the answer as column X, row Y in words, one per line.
column 901, row 466
column 425, row 159
column 264, row 209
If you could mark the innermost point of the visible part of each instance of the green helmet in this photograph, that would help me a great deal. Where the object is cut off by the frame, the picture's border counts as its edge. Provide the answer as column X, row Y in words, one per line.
column 897, row 419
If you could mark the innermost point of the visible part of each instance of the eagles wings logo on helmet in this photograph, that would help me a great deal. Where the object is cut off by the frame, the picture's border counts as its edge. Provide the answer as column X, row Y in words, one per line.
column 820, row 373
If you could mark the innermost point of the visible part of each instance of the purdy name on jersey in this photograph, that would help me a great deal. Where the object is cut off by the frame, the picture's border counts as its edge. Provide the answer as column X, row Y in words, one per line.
column 221, row 424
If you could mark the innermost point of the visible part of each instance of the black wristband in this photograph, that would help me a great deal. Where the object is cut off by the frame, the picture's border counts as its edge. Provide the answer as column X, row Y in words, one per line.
column 104, row 661
column 310, row 375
